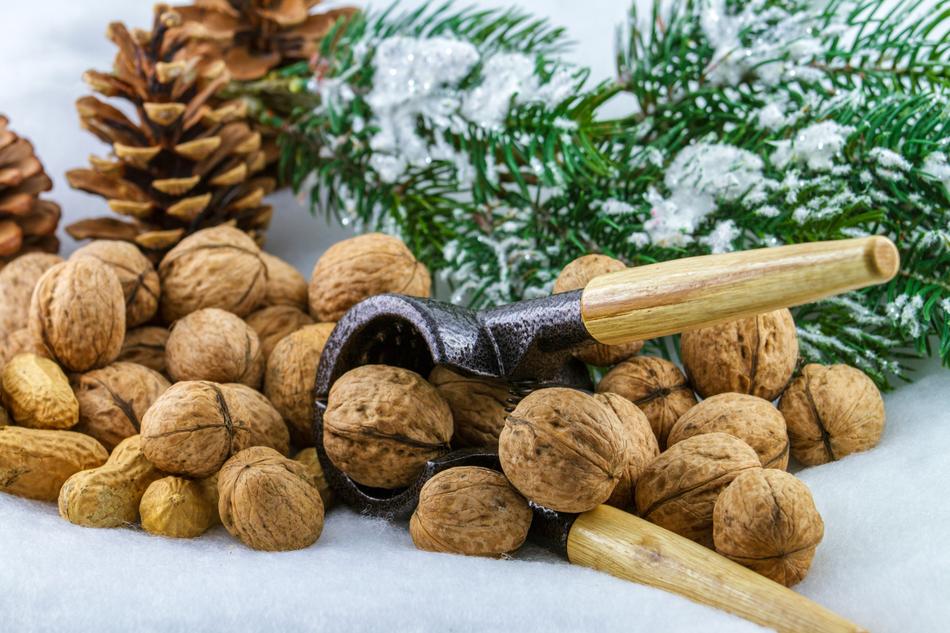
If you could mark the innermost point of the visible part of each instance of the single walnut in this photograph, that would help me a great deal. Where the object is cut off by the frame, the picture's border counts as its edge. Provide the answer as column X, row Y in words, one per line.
column 220, row 267
column 37, row 393
column 756, row 355
column 177, row 507
column 360, row 267
column 194, row 427
column 290, row 377
column 655, row 385
column 832, row 411
column 640, row 444
column 753, row 420
column 563, row 449
column 308, row 458
column 575, row 276
column 215, row 345
column 285, row 285
column 472, row 511
column 479, row 406
column 145, row 346
column 382, row 424
column 269, row 502
column 112, row 400
column 19, row 342
column 273, row 323
column 766, row 520
column 139, row 280
column 678, row 489
column 77, row 314
column 17, row 281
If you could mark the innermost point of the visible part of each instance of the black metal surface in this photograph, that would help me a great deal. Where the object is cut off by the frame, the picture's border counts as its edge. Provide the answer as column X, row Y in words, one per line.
column 550, row 528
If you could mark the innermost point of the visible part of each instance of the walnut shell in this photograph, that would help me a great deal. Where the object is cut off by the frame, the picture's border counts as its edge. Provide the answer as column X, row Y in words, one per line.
column 640, row 444
column 472, row 511
column 19, row 342
column 145, row 346
column 479, row 406
column 753, row 420
column 382, row 424
column 575, row 276
column 290, row 377
column 285, row 285
column 360, row 267
column 308, row 458
column 112, row 400
column 212, row 344
column 678, row 489
column 273, row 323
column 832, row 411
column 766, row 520
column 176, row 507
column 17, row 281
column 756, row 355
column 194, row 427
column 269, row 502
column 136, row 274
column 77, row 314
column 37, row 393
column 220, row 267
column 563, row 449
column 655, row 385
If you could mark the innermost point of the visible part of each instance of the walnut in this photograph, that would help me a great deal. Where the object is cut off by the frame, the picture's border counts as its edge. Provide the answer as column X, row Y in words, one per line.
column 563, row 449
column 139, row 280
column 77, row 314
column 145, row 346
column 766, row 520
column 285, row 285
column 290, row 377
column 678, row 489
column 19, row 342
column 220, row 267
column 382, row 424
column 756, row 355
column 832, row 411
column 194, row 427
column 269, row 502
column 273, row 323
column 575, row 276
column 655, row 385
column 360, row 267
column 472, row 511
column 211, row 344
column 177, row 507
column 112, row 400
column 17, row 281
column 640, row 444
column 479, row 406
column 308, row 458
column 753, row 420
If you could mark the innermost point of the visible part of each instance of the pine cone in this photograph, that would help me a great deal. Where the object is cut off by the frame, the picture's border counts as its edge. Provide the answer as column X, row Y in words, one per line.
column 256, row 36
column 26, row 222
column 186, row 164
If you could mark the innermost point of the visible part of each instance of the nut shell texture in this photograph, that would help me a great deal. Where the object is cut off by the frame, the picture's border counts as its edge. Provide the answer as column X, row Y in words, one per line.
column 753, row 420
column 138, row 277
column 17, row 281
column 145, row 346
column 563, row 449
column 215, row 345
column 269, row 502
column 19, row 342
column 176, row 507
column 360, row 267
column 37, row 393
column 472, row 511
column 77, row 314
column 678, row 490
column 309, row 460
column 641, row 448
column 479, row 406
column 832, row 411
column 273, row 323
column 220, row 267
column 766, row 520
column 34, row 463
column 756, row 355
column 382, row 424
column 285, row 285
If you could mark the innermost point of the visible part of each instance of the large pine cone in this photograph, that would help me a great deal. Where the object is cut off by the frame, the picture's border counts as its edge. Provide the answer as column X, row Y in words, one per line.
column 183, row 164
column 26, row 222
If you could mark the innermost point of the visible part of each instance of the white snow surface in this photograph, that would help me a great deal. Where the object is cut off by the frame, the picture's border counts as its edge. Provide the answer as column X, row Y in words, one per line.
column 883, row 562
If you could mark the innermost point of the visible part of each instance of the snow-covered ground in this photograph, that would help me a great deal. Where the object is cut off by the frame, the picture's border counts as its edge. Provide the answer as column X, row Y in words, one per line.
column 883, row 562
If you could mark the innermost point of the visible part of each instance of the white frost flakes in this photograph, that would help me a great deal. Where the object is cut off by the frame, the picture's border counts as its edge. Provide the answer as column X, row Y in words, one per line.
column 612, row 206
column 815, row 146
column 507, row 76
column 904, row 311
column 767, row 211
column 935, row 165
column 722, row 236
column 945, row 306
column 889, row 159
column 771, row 117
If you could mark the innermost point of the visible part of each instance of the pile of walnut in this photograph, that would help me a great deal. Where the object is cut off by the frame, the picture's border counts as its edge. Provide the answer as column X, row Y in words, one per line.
column 171, row 398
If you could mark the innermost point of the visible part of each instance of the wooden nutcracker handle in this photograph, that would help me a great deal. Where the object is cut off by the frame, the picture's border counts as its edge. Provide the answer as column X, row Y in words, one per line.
column 659, row 299
column 631, row 548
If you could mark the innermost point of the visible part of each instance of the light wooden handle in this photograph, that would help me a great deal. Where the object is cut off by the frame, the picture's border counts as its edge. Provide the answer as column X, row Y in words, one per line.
column 659, row 299
column 628, row 547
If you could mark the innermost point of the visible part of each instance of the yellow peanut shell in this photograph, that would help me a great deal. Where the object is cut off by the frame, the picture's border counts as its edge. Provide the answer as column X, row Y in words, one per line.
column 34, row 463
column 37, row 393
column 177, row 507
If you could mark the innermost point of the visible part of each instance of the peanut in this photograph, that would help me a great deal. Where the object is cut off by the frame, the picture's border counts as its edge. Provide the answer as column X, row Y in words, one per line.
column 37, row 393
column 34, row 463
